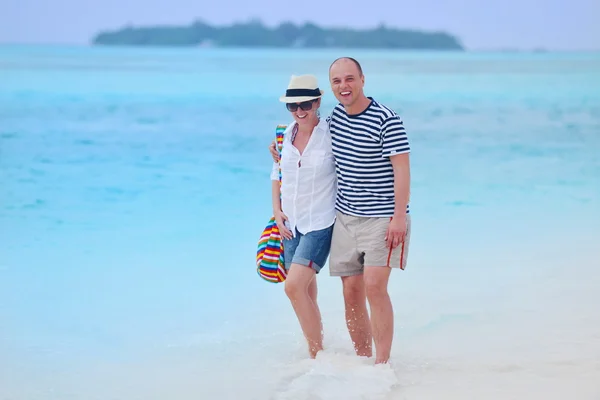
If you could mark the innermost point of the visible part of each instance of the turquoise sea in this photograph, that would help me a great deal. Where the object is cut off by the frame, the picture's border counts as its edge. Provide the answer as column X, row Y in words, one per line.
column 134, row 184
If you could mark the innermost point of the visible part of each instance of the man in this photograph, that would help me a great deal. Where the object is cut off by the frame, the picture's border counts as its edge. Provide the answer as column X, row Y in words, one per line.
column 372, row 229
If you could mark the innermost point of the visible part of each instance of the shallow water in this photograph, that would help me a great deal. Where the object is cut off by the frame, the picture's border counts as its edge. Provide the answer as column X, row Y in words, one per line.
column 134, row 185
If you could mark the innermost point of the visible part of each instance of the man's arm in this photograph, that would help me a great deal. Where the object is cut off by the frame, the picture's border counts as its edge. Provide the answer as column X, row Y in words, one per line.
column 395, row 146
column 401, row 166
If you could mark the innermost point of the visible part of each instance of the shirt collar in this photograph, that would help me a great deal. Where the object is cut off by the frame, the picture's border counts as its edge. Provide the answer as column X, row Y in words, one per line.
column 321, row 126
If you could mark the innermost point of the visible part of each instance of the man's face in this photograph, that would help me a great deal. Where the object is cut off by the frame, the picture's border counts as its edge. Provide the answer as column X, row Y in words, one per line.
column 346, row 82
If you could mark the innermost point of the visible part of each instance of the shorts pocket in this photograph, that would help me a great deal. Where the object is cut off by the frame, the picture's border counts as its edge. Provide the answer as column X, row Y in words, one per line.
column 372, row 234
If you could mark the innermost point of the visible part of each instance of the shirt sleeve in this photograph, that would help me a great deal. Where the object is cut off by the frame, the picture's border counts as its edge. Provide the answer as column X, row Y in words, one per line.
column 275, row 172
column 393, row 137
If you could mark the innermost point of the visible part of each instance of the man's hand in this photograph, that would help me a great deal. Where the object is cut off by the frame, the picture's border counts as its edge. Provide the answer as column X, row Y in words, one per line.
column 280, row 217
column 273, row 151
column 396, row 231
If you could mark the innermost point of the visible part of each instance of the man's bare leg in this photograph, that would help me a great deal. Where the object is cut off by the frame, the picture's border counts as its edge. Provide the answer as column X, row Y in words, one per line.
column 357, row 316
column 382, row 313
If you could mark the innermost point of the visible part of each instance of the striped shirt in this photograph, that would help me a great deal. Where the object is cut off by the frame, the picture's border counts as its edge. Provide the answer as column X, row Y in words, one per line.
column 362, row 144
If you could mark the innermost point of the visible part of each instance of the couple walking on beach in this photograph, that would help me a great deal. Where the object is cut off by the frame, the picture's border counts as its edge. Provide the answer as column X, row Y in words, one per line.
column 344, row 194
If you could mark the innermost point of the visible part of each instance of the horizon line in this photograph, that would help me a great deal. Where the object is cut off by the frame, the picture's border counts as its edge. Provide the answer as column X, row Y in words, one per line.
column 538, row 49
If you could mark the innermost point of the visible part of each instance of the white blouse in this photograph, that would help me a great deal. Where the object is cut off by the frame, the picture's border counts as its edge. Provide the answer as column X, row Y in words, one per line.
column 308, row 181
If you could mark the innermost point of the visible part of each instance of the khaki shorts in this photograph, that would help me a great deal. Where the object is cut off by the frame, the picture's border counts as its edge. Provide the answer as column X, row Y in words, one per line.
column 360, row 241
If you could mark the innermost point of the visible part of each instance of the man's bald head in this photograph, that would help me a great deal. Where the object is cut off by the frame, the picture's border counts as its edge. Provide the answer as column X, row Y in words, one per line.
column 350, row 60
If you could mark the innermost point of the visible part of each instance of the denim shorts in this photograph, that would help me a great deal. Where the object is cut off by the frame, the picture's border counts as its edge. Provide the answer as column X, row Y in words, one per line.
column 310, row 250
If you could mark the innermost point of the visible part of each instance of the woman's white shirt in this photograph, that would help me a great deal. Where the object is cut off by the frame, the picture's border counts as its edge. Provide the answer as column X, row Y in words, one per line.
column 308, row 181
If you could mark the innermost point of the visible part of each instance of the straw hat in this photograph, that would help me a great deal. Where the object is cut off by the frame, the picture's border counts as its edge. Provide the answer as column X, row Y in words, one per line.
column 302, row 88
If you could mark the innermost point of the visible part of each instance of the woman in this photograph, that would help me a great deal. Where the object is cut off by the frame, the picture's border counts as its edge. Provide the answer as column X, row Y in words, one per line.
column 305, row 211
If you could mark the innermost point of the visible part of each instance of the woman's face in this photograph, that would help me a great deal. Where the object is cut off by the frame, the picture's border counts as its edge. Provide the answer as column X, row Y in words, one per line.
column 304, row 112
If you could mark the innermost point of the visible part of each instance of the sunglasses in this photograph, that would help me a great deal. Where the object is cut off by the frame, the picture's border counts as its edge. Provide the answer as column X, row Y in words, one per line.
column 305, row 106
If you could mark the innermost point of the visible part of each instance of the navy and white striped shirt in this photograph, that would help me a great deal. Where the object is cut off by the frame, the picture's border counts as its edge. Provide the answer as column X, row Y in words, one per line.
column 362, row 144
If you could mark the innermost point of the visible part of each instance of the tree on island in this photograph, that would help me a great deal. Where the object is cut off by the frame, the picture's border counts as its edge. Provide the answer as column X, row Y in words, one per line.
column 255, row 34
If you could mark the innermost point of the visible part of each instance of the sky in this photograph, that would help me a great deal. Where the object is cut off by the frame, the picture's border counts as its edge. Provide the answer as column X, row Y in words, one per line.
column 479, row 24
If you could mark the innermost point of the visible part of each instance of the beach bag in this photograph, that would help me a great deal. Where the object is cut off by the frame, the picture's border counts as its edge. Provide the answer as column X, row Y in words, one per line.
column 270, row 262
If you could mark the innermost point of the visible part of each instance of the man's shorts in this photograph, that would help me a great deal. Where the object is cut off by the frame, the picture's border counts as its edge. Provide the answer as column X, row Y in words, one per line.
column 360, row 241
column 310, row 250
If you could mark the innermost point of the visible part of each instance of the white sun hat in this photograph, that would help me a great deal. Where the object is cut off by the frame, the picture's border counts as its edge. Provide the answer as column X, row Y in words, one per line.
column 302, row 88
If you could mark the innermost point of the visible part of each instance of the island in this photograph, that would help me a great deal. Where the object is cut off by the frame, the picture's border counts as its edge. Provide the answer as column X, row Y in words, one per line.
column 287, row 35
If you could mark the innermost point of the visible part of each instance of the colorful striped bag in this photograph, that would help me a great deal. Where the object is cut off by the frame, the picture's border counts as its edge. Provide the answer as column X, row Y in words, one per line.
column 270, row 263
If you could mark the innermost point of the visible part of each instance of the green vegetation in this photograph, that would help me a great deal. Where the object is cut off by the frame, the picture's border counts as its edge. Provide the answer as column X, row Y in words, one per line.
column 255, row 34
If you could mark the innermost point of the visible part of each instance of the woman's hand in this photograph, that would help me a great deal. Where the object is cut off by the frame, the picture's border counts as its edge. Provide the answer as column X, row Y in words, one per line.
column 280, row 219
